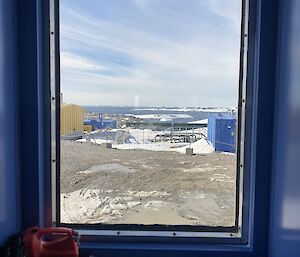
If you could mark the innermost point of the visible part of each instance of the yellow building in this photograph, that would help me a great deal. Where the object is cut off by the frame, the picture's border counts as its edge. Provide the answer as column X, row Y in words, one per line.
column 71, row 119
column 88, row 128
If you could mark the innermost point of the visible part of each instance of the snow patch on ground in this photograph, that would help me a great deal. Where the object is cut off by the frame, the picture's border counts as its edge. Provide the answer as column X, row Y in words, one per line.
column 97, row 141
column 109, row 167
column 147, row 194
column 155, row 205
column 199, row 122
column 142, row 135
column 143, row 139
column 158, row 146
column 224, row 109
column 166, row 117
column 201, row 146
column 221, row 178
column 90, row 205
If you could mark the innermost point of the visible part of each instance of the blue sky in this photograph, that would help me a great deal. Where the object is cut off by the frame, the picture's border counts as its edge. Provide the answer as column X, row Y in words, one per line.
column 150, row 52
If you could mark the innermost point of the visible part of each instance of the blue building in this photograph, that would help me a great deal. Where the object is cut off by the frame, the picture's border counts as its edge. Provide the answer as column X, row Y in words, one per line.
column 221, row 131
column 101, row 123
column 109, row 124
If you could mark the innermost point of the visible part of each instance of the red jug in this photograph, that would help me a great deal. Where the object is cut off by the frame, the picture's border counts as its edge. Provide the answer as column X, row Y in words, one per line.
column 51, row 242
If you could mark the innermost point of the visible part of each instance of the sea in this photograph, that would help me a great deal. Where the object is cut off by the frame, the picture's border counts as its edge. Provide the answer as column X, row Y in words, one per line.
column 151, row 114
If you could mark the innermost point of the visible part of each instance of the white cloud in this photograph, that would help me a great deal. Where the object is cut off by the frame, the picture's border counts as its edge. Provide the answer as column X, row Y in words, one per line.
column 74, row 62
column 203, row 64
column 228, row 9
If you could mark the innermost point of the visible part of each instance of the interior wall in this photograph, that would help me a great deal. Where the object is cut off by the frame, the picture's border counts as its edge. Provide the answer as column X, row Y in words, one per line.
column 285, row 226
column 9, row 171
column 285, row 212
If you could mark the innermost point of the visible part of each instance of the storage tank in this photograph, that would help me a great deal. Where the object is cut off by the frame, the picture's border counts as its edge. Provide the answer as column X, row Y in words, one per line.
column 71, row 119
column 221, row 131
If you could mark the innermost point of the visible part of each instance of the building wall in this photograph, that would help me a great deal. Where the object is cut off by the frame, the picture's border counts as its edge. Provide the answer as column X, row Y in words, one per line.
column 285, row 225
column 71, row 119
column 222, row 132
column 211, row 129
column 100, row 124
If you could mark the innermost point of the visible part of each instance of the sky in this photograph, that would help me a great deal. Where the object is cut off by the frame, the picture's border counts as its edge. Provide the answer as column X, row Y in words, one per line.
column 181, row 53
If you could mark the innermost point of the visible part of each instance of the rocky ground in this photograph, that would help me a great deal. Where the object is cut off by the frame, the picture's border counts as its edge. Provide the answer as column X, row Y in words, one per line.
column 101, row 185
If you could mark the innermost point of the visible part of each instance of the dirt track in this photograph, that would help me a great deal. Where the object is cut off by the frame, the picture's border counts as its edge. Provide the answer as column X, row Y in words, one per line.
column 137, row 186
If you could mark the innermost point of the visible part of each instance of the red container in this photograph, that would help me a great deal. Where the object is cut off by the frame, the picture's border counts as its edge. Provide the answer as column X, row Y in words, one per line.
column 51, row 242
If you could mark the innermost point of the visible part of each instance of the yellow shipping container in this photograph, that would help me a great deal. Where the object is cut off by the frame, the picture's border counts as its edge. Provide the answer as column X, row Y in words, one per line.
column 71, row 119
column 88, row 128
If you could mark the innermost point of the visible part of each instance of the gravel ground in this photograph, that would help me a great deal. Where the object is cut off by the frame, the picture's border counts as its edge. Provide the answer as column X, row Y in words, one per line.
column 145, row 187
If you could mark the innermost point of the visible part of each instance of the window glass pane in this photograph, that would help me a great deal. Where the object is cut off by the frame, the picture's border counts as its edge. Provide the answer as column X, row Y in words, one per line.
column 149, row 111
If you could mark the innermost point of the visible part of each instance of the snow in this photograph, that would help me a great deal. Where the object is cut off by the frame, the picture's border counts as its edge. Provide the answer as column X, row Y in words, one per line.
column 146, row 194
column 221, row 109
column 155, row 205
column 100, row 141
column 166, row 117
column 83, row 140
column 89, row 205
column 201, row 146
column 228, row 153
column 97, row 141
column 143, row 139
column 199, row 122
column 108, row 167
column 142, row 135
column 157, row 146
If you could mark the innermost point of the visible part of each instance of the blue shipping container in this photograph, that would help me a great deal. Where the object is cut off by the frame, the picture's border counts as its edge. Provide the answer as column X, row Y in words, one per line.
column 100, row 124
column 92, row 122
column 221, row 131
column 109, row 124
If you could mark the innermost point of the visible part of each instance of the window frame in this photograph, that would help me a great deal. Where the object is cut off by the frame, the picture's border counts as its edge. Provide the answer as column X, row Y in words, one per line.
column 31, row 27
column 245, row 166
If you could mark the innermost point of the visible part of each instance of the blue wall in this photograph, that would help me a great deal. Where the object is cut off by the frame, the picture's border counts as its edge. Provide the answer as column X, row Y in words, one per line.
column 102, row 123
column 221, row 132
column 24, row 99
column 285, row 225
column 282, row 222
column 9, row 161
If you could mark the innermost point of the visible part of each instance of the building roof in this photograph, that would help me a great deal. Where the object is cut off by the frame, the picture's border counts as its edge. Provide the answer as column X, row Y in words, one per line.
column 223, row 116
column 199, row 122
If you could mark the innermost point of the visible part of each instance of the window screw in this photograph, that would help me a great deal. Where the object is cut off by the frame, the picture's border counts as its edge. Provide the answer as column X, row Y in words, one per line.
column 53, row 98
column 174, row 233
column 118, row 232
column 52, row 33
column 53, row 160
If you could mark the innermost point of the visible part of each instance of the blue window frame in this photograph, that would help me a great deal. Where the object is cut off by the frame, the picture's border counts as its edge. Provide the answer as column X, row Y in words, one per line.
column 33, row 18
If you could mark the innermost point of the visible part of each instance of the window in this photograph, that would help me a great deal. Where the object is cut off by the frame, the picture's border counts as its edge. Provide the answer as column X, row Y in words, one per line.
column 151, row 117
